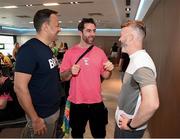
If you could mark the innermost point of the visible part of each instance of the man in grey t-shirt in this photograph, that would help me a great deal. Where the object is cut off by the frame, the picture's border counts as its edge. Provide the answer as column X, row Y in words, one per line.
column 138, row 99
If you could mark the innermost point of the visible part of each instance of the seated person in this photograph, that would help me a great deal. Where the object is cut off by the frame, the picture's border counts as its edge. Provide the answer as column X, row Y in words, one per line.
column 5, row 60
column 6, row 64
column 9, row 106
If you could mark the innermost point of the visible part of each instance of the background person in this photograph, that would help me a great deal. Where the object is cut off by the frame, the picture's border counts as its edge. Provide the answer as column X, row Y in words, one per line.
column 123, row 62
column 6, row 64
column 114, row 53
column 9, row 106
column 15, row 50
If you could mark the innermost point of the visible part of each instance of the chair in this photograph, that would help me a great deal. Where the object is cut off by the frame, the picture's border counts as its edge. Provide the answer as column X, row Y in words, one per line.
column 20, row 122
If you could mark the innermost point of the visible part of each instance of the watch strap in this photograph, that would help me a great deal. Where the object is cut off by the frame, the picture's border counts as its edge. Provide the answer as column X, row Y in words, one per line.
column 129, row 125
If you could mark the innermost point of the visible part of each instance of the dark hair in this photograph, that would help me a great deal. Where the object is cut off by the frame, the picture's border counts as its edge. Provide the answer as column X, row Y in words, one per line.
column 85, row 21
column 115, row 43
column 65, row 45
column 42, row 16
column 0, row 70
column 137, row 24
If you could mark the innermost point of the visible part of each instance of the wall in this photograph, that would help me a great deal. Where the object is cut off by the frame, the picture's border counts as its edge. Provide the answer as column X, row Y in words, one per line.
column 104, row 42
column 163, row 44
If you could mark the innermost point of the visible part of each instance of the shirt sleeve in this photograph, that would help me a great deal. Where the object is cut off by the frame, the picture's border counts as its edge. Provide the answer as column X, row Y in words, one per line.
column 25, row 61
column 144, row 76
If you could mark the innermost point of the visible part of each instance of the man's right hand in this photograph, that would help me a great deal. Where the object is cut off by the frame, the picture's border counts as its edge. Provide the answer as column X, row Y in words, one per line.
column 39, row 126
column 75, row 69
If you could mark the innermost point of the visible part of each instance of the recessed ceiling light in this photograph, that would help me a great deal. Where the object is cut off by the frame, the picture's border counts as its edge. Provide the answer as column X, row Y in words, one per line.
column 28, row 5
column 10, row 7
column 51, row 4
column 74, row 2
column 128, row 9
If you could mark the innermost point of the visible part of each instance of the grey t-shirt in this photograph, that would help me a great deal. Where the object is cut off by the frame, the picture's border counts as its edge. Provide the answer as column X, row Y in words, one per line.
column 140, row 72
column 131, row 87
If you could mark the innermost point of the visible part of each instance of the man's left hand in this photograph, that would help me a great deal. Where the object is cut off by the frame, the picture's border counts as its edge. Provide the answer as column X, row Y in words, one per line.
column 108, row 66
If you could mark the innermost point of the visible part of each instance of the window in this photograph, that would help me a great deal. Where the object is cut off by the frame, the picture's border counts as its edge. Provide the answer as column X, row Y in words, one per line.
column 6, row 44
column 1, row 45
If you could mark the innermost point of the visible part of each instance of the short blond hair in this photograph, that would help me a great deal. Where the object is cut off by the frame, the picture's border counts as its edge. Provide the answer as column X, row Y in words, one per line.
column 136, row 24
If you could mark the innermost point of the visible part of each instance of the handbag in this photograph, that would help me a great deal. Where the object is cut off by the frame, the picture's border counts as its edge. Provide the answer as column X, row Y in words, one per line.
column 66, row 118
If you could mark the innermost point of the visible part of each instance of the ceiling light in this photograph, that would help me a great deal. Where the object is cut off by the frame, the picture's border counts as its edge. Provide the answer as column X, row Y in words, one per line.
column 28, row 5
column 74, row 2
column 51, row 4
column 128, row 9
column 10, row 7
column 31, row 22
column 60, row 21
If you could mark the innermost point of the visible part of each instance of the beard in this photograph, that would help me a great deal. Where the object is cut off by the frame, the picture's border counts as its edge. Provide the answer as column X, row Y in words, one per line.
column 88, row 40
column 123, row 44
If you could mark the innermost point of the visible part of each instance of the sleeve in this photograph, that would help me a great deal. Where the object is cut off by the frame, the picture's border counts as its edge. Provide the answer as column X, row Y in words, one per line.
column 26, row 61
column 66, row 62
column 144, row 76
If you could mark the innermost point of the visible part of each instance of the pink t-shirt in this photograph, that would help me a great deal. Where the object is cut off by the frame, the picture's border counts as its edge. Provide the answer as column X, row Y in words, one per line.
column 86, row 86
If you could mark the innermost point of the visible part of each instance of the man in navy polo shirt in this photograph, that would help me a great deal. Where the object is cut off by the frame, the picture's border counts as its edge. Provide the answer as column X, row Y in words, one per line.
column 36, row 77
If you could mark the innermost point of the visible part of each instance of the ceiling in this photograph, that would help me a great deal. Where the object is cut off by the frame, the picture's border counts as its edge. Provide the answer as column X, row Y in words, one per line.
column 108, row 14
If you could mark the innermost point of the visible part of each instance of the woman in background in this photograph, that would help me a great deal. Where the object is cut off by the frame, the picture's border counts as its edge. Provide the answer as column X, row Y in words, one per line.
column 9, row 106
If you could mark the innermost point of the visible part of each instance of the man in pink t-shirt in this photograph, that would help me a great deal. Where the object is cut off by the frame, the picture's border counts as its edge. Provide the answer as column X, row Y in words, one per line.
column 85, row 82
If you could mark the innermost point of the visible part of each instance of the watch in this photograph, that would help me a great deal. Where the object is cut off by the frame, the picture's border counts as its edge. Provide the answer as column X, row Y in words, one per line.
column 129, row 125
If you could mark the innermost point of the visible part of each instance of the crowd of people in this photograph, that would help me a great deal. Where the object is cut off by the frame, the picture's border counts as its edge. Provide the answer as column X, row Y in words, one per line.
column 45, row 76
